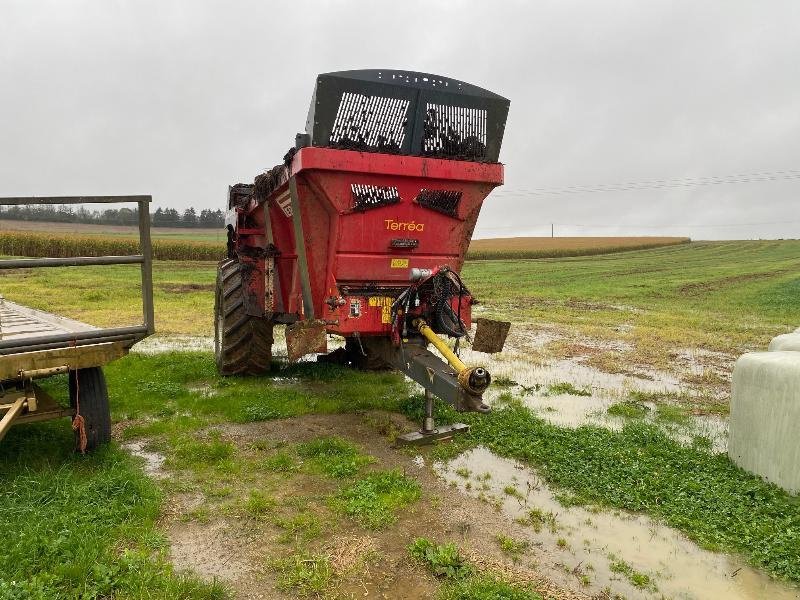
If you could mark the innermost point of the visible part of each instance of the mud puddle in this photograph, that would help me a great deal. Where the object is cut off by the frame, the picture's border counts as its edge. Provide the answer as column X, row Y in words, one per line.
column 664, row 563
column 152, row 461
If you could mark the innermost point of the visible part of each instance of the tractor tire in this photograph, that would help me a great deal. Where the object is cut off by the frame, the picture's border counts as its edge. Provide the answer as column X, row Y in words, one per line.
column 89, row 395
column 242, row 342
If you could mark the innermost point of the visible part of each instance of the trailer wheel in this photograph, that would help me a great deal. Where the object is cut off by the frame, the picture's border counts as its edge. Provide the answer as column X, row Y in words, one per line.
column 88, row 393
column 242, row 342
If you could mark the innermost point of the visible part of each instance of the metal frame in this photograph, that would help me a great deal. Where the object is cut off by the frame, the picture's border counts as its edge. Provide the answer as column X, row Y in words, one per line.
column 127, row 335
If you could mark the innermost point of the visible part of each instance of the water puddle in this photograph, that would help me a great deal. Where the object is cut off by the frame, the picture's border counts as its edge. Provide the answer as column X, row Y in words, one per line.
column 159, row 344
column 632, row 554
column 153, row 461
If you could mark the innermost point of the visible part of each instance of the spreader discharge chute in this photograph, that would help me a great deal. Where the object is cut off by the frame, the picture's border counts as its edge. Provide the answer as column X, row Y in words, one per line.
column 362, row 231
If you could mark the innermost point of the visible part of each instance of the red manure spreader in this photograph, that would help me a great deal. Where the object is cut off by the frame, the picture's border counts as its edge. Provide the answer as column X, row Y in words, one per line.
column 361, row 233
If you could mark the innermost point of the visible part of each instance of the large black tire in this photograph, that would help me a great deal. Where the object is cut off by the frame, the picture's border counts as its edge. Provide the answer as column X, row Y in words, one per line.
column 89, row 394
column 242, row 342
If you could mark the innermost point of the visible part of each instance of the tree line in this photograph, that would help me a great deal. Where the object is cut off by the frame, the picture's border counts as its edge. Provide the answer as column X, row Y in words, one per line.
column 162, row 217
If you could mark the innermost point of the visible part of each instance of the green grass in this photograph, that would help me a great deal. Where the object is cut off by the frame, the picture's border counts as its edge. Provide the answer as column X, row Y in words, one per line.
column 442, row 560
column 304, row 573
column 636, row 578
column 461, row 581
column 334, row 456
column 641, row 469
column 486, row 587
column 514, row 548
column 183, row 294
column 629, row 409
column 81, row 527
column 718, row 295
column 563, row 387
column 373, row 500
column 723, row 296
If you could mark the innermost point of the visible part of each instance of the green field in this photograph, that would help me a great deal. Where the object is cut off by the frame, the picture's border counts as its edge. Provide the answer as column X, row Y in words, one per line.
column 725, row 296
column 91, row 524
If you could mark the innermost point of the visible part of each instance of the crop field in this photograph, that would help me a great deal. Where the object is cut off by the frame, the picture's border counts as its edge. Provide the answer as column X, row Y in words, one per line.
column 196, row 234
column 600, row 473
column 29, row 238
column 543, row 247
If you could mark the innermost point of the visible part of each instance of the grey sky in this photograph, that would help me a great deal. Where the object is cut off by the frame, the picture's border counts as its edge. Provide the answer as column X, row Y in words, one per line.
column 179, row 99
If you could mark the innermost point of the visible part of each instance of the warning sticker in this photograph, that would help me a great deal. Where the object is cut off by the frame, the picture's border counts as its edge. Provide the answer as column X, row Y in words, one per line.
column 285, row 204
column 399, row 263
column 385, row 304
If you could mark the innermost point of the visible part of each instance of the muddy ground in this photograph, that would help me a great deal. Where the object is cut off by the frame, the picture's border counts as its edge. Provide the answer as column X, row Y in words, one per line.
column 373, row 564
column 563, row 552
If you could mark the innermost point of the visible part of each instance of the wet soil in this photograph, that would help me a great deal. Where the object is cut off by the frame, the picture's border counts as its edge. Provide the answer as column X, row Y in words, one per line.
column 368, row 564
column 590, row 541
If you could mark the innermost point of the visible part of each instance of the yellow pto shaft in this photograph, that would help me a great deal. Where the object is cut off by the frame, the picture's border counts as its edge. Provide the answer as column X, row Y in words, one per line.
column 474, row 380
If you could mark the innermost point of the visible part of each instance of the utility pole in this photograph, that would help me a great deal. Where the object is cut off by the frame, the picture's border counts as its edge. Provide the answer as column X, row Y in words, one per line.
column 552, row 230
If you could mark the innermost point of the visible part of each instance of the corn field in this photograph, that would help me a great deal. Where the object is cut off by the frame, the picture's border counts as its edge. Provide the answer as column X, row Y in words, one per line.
column 26, row 243
column 15, row 243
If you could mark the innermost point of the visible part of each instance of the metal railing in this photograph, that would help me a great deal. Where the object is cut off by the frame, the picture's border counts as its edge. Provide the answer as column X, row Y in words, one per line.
column 127, row 335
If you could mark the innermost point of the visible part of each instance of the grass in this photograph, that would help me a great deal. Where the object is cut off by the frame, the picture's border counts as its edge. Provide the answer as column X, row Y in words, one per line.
column 183, row 294
column 304, row 573
column 81, row 527
column 724, row 296
column 629, row 409
column 372, row 501
column 640, row 469
column 538, row 247
column 636, row 578
column 461, row 580
column 514, row 548
column 334, row 456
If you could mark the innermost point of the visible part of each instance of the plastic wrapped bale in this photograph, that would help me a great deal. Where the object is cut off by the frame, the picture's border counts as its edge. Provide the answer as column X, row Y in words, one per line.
column 786, row 342
column 765, row 417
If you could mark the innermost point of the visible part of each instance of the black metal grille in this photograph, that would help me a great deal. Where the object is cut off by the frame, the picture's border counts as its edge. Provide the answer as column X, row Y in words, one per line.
column 373, row 196
column 454, row 132
column 402, row 112
column 444, row 201
column 370, row 123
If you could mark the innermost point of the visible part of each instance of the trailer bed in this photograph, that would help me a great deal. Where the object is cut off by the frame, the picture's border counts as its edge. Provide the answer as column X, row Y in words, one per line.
column 24, row 324
column 36, row 344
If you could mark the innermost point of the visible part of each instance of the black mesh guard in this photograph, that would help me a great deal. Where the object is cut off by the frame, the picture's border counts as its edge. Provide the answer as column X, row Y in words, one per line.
column 443, row 201
column 402, row 112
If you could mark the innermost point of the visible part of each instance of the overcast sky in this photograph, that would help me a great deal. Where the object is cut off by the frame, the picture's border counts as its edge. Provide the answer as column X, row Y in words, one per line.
column 179, row 99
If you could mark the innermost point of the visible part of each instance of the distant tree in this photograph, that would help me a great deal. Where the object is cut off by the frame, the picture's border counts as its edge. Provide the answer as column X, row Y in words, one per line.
column 189, row 218
column 211, row 218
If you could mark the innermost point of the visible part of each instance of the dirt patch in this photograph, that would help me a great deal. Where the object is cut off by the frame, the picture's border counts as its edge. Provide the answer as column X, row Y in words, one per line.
column 185, row 288
column 238, row 549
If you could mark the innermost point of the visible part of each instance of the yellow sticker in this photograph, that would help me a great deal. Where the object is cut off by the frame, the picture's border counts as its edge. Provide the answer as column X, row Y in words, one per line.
column 399, row 263
column 385, row 304
column 381, row 301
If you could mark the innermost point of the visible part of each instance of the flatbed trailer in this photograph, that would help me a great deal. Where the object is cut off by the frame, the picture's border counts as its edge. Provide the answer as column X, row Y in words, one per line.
column 35, row 344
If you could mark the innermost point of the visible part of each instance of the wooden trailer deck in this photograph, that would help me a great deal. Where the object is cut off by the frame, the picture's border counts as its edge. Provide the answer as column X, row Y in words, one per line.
column 18, row 321
column 24, row 325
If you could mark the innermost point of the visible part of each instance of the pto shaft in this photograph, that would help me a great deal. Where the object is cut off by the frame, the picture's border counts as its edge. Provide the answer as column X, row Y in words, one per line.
column 475, row 380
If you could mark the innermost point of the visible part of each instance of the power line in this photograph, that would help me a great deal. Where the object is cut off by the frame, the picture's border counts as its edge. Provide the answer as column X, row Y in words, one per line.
column 764, row 176
column 627, row 226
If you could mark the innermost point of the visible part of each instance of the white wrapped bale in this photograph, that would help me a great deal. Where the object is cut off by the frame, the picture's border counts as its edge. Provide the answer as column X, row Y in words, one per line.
column 785, row 342
column 764, row 433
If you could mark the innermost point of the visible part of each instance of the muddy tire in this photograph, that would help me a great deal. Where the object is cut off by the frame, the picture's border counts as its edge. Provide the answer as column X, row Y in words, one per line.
column 88, row 393
column 242, row 342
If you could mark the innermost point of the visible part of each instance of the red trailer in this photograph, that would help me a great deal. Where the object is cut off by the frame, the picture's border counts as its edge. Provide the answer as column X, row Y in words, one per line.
column 362, row 233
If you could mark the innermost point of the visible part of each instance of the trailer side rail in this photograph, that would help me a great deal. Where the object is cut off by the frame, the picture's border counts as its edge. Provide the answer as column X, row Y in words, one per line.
column 127, row 335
